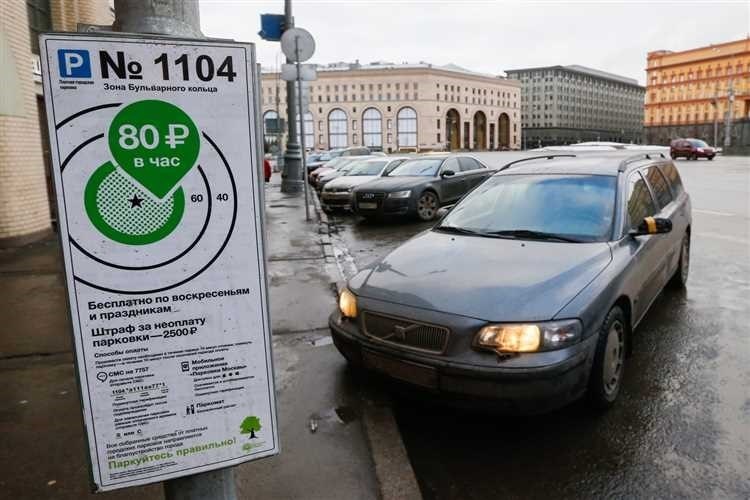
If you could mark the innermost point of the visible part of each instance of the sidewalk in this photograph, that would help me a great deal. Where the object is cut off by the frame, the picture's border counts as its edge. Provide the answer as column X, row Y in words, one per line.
column 324, row 447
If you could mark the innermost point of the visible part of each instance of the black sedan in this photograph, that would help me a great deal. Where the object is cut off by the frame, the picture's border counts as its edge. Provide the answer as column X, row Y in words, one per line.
column 526, row 294
column 419, row 187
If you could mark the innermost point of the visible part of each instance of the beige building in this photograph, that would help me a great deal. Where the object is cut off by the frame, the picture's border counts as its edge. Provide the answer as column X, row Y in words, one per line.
column 25, row 185
column 689, row 91
column 403, row 107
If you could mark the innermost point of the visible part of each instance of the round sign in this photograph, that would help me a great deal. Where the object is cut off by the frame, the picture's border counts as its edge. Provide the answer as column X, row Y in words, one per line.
column 297, row 44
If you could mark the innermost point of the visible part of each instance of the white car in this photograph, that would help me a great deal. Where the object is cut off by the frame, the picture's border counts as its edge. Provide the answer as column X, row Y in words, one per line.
column 337, row 194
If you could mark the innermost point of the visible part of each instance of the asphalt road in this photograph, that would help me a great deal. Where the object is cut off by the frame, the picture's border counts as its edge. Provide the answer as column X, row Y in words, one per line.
column 681, row 428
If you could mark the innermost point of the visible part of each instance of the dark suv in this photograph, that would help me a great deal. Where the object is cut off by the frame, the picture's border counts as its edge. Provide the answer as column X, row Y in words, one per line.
column 526, row 294
column 691, row 149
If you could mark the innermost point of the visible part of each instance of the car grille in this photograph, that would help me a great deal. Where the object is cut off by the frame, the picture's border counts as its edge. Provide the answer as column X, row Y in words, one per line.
column 406, row 333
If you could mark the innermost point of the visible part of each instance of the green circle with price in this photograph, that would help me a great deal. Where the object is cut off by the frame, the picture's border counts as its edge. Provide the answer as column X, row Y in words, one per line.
column 155, row 142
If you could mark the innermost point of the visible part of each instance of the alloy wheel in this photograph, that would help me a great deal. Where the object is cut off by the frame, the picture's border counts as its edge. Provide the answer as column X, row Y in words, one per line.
column 685, row 256
column 614, row 356
column 427, row 206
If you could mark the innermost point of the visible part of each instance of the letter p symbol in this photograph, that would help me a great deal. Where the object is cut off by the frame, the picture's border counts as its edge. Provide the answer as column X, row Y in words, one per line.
column 74, row 63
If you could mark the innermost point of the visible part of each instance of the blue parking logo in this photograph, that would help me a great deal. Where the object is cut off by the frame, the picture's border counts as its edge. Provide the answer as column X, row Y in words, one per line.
column 74, row 63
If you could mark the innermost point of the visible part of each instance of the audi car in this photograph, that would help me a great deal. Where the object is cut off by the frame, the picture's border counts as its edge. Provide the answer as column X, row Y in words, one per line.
column 525, row 295
column 420, row 186
column 337, row 194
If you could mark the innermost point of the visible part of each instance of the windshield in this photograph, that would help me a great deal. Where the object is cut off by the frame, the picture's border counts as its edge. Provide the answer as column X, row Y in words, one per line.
column 313, row 157
column 337, row 162
column 425, row 167
column 579, row 207
column 698, row 143
column 367, row 167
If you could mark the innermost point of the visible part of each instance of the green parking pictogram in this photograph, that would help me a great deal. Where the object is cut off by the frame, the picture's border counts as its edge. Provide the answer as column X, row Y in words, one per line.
column 135, row 199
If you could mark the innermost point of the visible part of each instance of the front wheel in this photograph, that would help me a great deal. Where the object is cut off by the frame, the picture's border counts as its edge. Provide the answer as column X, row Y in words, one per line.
column 710, row 158
column 609, row 361
column 427, row 206
column 679, row 280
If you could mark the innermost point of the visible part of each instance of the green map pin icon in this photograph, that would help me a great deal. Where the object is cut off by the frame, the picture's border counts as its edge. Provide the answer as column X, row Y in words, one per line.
column 154, row 142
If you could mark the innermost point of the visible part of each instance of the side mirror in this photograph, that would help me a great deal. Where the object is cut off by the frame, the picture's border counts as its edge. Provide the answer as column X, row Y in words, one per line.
column 447, row 173
column 443, row 211
column 653, row 225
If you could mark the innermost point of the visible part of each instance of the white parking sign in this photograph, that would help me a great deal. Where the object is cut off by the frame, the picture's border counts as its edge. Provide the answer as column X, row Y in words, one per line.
column 155, row 153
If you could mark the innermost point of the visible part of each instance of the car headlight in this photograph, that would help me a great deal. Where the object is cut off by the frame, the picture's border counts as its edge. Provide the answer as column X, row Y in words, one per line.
column 400, row 194
column 348, row 304
column 532, row 337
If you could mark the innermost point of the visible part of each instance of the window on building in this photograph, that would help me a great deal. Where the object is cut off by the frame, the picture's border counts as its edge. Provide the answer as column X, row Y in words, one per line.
column 337, row 129
column 270, row 124
column 406, row 127
column 390, row 139
column 372, row 128
column 39, row 19
column 309, row 129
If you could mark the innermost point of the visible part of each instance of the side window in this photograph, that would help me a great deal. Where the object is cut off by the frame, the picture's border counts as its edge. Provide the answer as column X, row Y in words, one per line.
column 659, row 185
column 673, row 177
column 640, row 203
column 468, row 164
column 451, row 164
column 392, row 165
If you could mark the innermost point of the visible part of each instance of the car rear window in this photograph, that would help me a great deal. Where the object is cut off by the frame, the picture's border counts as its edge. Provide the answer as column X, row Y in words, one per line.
column 659, row 185
column 673, row 177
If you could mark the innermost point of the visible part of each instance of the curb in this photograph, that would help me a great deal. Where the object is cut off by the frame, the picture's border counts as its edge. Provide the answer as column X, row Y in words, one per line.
column 393, row 469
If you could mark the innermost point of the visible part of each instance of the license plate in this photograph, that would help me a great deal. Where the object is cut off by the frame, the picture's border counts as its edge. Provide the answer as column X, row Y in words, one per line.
column 368, row 205
column 424, row 376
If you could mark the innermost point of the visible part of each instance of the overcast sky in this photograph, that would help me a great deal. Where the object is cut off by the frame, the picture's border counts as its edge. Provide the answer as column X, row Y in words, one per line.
column 488, row 36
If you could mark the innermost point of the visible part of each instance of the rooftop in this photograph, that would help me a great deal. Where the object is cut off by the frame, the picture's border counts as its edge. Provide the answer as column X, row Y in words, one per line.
column 577, row 68
column 581, row 163
column 386, row 65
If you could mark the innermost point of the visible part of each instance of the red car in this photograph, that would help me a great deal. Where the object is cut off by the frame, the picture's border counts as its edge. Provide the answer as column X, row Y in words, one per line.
column 267, row 169
column 691, row 149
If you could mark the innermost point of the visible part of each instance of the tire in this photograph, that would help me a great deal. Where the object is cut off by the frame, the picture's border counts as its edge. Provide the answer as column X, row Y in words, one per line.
column 427, row 206
column 710, row 158
column 608, row 369
column 680, row 277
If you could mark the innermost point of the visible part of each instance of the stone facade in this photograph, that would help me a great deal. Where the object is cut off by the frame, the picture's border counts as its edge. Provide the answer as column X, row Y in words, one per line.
column 25, row 213
column 404, row 107
column 688, row 92
column 568, row 104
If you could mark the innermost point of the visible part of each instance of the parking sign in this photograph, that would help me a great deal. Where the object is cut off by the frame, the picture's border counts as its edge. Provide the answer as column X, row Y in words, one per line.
column 156, row 161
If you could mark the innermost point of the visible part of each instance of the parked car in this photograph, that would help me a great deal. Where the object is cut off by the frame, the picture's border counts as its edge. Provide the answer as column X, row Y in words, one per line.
column 337, row 194
column 691, row 149
column 342, row 168
column 328, row 166
column 420, row 186
column 525, row 296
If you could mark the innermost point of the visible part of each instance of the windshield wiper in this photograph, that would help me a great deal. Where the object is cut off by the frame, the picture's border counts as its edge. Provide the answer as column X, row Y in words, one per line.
column 456, row 230
column 535, row 235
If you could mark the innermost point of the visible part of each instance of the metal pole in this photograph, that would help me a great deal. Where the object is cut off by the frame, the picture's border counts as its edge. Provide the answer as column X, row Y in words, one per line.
column 301, row 128
column 177, row 18
column 729, row 116
column 291, row 178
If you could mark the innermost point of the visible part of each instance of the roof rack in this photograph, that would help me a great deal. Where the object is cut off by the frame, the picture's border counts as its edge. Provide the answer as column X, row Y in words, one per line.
column 640, row 156
column 548, row 157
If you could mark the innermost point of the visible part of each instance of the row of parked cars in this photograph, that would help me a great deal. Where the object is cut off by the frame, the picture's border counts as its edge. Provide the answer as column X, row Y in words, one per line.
column 375, row 185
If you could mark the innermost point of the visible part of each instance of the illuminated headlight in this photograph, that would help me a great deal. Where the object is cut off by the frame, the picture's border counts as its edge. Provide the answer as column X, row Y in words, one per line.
column 348, row 304
column 400, row 194
column 534, row 337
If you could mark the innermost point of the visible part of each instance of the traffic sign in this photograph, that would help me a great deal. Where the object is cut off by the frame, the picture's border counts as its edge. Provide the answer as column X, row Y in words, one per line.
column 156, row 164
column 307, row 72
column 297, row 44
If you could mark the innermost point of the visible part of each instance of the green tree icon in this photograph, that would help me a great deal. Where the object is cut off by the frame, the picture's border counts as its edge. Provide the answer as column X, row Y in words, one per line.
column 250, row 425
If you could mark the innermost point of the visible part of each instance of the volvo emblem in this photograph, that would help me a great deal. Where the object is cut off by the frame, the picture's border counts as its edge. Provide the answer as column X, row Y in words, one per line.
column 399, row 332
